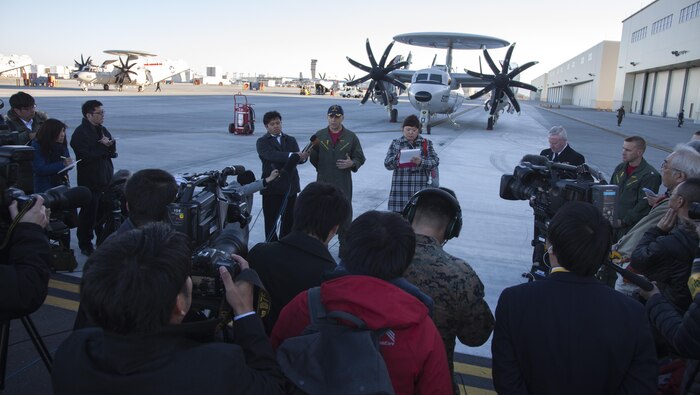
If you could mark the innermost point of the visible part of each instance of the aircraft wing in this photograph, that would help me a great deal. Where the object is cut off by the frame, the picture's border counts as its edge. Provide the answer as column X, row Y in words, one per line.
column 12, row 62
column 403, row 75
column 467, row 81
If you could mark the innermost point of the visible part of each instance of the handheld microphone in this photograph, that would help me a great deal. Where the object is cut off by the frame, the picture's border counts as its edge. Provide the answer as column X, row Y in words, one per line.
column 312, row 143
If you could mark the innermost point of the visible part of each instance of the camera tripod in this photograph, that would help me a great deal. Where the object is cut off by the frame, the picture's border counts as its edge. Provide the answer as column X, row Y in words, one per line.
column 33, row 335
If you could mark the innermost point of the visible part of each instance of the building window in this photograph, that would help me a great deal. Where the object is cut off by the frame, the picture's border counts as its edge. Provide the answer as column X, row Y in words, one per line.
column 639, row 34
column 662, row 24
column 689, row 12
column 211, row 71
column 583, row 58
column 590, row 56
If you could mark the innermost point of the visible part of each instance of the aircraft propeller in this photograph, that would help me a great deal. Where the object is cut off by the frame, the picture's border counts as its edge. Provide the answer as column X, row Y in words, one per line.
column 124, row 71
column 378, row 72
column 502, row 81
column 83, row 63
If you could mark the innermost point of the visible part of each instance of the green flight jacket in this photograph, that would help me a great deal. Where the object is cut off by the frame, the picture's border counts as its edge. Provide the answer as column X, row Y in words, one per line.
column 324, row 156
column 631, row 203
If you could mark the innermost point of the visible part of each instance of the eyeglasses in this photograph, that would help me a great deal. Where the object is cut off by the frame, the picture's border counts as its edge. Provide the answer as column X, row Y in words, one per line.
column 98, row 113
column 664, row 165
column 334, row 115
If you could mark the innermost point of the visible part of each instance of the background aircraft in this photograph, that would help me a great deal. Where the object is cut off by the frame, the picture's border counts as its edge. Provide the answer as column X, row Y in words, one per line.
column 139, row 69
column 438, row 89
column 11, row 62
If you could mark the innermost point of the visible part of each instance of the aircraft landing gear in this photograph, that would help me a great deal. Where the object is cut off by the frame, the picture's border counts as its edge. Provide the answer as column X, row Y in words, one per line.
column 393, row 115
column 491, row 122
column 105, row 87
column 140, row 88
column 425, row 119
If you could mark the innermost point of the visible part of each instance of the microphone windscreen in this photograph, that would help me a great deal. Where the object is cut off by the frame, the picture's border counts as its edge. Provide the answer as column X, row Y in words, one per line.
column 246, row 177
column 77, row 197
column 292, row 161
column 537, row 160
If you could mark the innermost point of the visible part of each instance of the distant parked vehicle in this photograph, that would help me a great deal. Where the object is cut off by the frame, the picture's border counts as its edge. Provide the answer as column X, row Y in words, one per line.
column 351, row 92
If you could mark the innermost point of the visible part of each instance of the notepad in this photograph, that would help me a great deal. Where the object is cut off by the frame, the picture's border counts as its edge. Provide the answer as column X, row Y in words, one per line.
column 406, row 155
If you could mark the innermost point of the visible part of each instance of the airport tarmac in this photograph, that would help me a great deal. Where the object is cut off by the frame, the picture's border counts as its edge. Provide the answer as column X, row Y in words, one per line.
column 184, row 129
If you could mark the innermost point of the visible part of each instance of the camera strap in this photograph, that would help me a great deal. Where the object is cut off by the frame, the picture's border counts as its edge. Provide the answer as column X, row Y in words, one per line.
column 14, row 223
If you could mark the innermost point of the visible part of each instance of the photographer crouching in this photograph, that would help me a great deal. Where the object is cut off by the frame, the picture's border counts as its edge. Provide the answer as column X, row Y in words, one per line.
column 138, row 290
column 25, row 254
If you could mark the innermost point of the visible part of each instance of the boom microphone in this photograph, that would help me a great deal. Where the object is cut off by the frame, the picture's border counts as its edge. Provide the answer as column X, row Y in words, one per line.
column 635, row 279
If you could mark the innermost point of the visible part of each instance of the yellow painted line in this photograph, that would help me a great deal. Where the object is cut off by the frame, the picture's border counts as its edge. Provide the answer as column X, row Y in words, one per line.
column 464, row 390
column 473, row 370
column 62, row 285
column 66, row 304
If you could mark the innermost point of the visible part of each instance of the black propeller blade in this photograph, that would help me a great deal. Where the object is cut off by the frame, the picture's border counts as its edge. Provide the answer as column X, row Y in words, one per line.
column 125, row 71
column 378, row 72
column 80, row 66
column 501, row 83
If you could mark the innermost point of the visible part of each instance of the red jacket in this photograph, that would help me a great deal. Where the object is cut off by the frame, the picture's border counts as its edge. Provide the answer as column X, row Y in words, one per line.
column 413, row 350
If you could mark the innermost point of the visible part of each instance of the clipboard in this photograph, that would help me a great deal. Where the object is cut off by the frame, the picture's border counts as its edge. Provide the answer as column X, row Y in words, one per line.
column 405, row 156
column 69, row 167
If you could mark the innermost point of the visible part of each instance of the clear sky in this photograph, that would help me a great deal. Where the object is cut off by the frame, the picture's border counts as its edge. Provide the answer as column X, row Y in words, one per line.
column 281, row 37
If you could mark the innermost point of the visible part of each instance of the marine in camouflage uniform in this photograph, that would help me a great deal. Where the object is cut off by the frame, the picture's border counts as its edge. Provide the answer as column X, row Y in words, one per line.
column 460, row 309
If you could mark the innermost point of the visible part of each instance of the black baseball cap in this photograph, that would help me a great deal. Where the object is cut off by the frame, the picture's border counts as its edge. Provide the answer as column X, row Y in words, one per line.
column 335, row 110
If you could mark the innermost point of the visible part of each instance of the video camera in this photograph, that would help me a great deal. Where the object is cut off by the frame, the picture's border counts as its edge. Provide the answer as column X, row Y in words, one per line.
column 215, row 218
column 547, row 186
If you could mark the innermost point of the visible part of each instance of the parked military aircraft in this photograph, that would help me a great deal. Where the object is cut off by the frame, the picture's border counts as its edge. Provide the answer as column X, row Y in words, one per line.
column 437, row 89
column 139, row 69
column 11, row 62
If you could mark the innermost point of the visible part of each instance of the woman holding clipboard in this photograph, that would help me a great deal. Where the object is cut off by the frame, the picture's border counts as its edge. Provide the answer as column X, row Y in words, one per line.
column 411, row 158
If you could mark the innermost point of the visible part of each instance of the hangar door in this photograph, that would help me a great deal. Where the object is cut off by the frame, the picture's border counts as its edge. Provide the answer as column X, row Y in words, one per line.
column 581, row 95
column 637, row 92
column 692, row 100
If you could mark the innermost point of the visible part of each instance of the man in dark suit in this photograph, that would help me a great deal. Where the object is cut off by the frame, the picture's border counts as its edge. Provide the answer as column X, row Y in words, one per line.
column 559, row 150
column 299, row 260
column 275, row 149
column 569, row 333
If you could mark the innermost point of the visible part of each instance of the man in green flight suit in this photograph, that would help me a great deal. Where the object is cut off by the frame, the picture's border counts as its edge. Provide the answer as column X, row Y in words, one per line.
column 337, row 155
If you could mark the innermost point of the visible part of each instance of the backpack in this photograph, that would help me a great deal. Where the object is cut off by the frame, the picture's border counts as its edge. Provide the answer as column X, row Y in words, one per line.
column 332, row 358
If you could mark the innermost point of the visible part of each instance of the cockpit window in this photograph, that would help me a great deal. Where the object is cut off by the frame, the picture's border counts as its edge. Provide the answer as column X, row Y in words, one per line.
column 421, row 77
column 436, row 78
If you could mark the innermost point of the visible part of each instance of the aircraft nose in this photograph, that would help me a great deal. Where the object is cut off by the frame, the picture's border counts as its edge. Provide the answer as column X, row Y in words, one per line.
column 423, row 96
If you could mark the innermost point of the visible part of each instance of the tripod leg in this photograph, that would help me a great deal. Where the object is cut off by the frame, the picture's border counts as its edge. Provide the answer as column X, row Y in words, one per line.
column 38, row 342
column 4, row 340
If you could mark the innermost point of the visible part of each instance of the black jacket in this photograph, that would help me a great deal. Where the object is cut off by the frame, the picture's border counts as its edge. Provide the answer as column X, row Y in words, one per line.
column 569, row 334
column 667, row 259
column 95, row 168
column 289, row 266
column 178, row 360
column 24, row 271
column 567, row 155
column 682, row 333
column 274, row 155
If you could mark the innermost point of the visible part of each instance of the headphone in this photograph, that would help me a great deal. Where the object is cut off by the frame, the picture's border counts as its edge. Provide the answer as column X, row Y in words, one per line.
column 455, row 224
